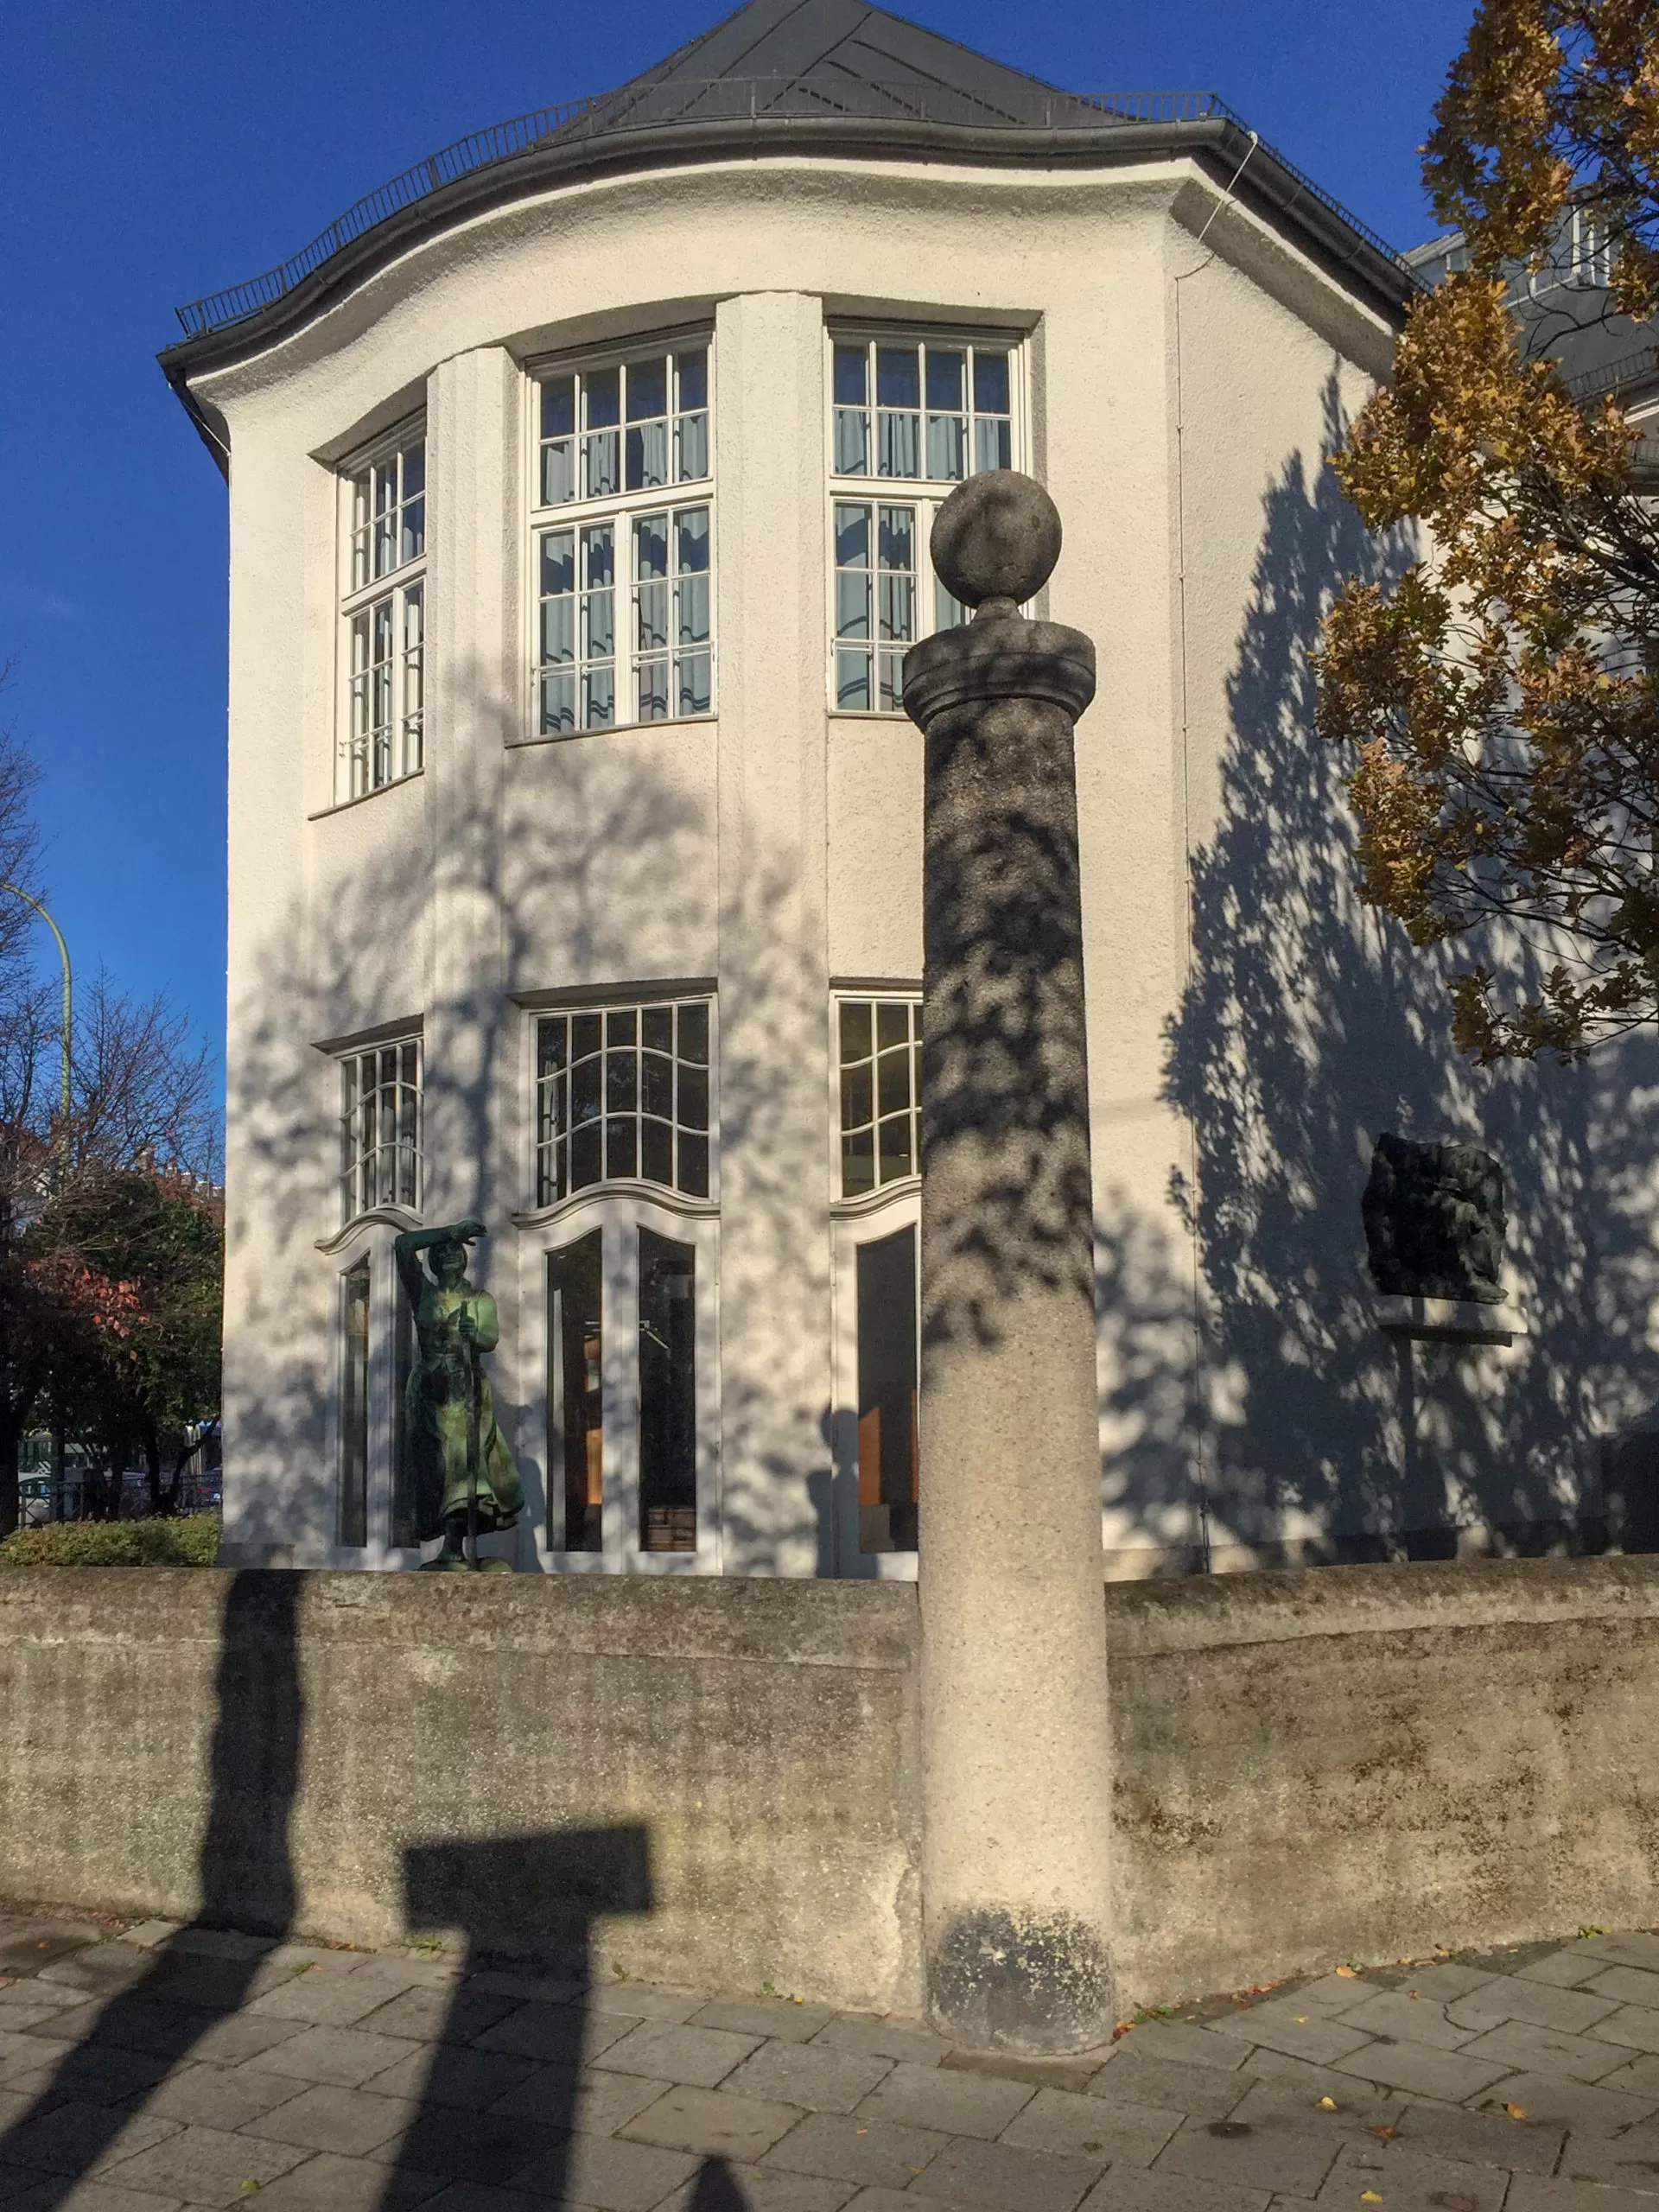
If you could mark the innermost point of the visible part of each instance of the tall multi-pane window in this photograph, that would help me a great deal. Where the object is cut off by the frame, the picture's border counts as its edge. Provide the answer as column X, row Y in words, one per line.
column 384, row 615
column 622, row 1094
column 623, row 552
column 354, row 1405
column 380, row 1128
column 909, row 417
column 880, row 1044
column 878, row 1052
column 1590, row 254
column 623, row 1132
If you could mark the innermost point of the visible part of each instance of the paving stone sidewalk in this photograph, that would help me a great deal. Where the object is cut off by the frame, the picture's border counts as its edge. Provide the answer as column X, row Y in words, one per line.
column 148, row 2069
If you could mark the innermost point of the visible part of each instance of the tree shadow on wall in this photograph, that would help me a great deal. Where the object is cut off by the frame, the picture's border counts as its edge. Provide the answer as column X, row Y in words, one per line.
column 1308, row 1026
column 591, row 862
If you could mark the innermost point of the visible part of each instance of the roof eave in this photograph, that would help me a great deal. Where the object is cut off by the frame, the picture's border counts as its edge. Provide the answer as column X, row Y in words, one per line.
column 1268, row 186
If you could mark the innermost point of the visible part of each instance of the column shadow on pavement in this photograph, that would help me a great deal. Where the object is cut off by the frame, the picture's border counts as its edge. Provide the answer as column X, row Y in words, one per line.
column 503, row 2094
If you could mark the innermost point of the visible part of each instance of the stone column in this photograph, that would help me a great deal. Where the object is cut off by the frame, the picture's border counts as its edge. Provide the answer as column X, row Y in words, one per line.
column 1016, row 1757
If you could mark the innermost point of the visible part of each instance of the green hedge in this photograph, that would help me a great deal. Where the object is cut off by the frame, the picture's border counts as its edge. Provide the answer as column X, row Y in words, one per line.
column 192, row 1541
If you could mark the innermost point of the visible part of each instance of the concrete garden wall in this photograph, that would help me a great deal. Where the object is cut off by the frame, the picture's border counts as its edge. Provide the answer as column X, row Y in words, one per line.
column 715, row 1781
column 711, row 1780
column 1364, row 1761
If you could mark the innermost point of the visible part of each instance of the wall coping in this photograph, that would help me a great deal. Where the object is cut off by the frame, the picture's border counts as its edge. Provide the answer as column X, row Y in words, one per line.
column 1277, row 1605
column 866, row 1626
column 869, row 1626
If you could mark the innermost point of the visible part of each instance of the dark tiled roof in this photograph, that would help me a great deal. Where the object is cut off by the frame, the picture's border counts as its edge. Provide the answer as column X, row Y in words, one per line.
column 852, row 59
column 791, row 76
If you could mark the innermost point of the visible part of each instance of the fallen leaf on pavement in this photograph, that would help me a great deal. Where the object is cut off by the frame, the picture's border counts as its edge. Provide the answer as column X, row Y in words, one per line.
column 1348, row 1973
column 1516, row 2112
column 1327, row 2104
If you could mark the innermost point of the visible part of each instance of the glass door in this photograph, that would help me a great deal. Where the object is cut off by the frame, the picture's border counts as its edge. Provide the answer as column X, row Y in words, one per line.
column 632, row 1437
column 878, row 1449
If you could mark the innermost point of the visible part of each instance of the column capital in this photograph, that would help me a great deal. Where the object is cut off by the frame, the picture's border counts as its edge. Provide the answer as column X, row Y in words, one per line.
column 998, row 656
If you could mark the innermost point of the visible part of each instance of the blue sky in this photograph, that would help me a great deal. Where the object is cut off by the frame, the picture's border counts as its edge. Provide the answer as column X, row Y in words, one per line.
column 153, row 150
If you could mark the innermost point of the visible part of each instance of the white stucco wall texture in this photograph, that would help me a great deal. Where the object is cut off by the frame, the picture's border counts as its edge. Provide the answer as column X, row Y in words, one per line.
column 1251, row 1029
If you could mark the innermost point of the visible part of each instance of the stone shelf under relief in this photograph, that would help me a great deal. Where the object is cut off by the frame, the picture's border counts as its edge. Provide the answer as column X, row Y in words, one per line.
column 1451, row 1320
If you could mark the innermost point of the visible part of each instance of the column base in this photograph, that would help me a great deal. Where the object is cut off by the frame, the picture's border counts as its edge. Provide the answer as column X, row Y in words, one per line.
column 1036, row 1983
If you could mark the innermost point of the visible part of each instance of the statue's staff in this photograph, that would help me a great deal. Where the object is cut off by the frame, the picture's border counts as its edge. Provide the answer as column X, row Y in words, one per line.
column 470, row 1341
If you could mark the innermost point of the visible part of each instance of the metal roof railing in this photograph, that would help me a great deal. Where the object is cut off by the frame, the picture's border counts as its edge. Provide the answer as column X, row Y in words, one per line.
column 730, row 99
column 1591, row 384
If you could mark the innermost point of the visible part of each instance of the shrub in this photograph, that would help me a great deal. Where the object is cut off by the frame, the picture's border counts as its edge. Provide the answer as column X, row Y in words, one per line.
column 192, row 1541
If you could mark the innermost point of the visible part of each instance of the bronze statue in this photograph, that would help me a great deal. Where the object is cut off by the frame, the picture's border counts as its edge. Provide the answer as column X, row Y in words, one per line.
column 462, row 1475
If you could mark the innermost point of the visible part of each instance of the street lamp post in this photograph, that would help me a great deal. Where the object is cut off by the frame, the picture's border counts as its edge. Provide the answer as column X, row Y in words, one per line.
column 67, row 1092
column 66, row 1099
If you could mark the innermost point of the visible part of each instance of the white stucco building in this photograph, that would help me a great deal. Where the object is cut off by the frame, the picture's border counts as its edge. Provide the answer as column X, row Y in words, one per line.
column 580, row 490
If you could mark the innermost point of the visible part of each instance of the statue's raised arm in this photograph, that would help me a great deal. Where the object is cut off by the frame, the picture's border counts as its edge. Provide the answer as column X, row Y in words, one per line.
column 409, row 1246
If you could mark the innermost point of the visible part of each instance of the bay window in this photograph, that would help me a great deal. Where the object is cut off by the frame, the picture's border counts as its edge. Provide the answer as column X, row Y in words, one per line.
column 622, row 542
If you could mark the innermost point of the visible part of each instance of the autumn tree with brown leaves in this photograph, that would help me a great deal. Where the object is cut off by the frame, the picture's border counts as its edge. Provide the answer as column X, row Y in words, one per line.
column 112, row 1225
column 1502, row 695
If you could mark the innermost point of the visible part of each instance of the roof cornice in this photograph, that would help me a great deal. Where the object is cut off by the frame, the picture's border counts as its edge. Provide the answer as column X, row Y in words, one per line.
column 1269, row 185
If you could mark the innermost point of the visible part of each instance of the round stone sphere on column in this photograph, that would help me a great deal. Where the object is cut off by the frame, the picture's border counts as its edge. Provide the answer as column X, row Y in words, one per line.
column 996, row 540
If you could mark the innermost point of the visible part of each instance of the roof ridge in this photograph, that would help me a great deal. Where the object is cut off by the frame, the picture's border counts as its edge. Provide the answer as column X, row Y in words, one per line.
column 848, row 24
column 960, row 45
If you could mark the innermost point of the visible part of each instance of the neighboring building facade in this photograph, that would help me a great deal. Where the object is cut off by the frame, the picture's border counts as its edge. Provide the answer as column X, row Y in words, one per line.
column 580, row 500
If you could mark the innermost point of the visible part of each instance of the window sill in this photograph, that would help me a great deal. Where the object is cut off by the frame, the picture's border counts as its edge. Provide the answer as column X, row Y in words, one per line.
column 344, row 805
column 398, row 1217
column 612, row 729
column 871, row 715
column 656, row 1194
column 704, row 1561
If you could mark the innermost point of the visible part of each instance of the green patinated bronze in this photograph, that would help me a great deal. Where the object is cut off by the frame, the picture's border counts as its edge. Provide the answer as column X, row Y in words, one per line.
column 461, row 1473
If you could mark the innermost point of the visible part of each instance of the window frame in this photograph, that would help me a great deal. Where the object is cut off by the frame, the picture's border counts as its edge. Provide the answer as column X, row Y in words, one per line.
column 360, row 603
column 924, row 494
column 370, row 1244
column 866, row 1217
column 348, row 1172
column 601, row 1001
column 604, row 1005
column 620, row 509
column 873, row 995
